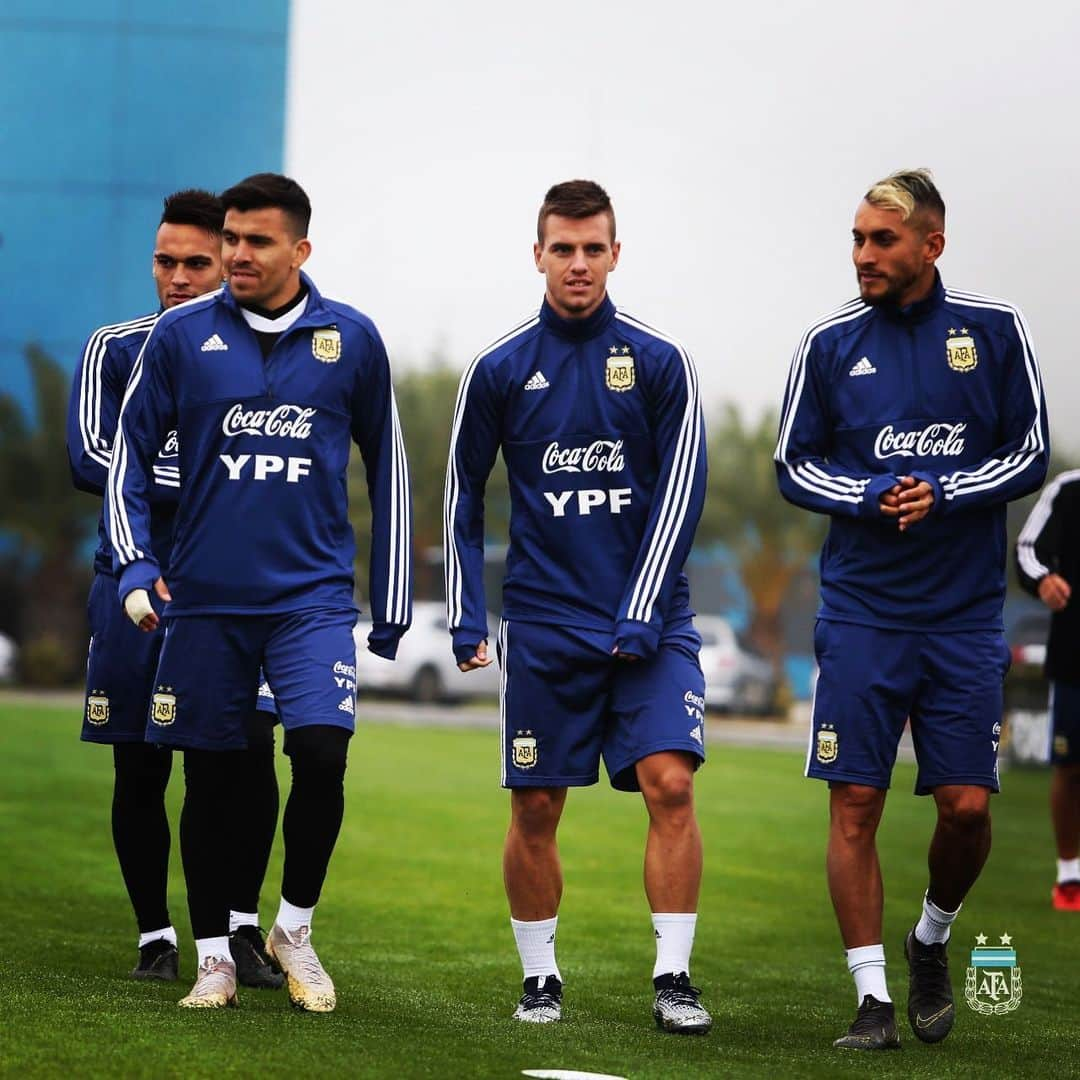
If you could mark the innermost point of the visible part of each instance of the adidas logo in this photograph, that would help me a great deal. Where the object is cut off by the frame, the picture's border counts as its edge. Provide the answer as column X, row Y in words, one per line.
column 214, row 344
column 347, row 705
column 863, row 367
column 696, row 734
column 537, row 382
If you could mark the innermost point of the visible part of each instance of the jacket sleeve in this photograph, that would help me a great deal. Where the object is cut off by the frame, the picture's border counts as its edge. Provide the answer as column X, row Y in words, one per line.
column 1018, row 464
column 377, row 432
column 806, row 476
column 677, row 501
column 96, row 393
column 474, row 442
column 147, row 413
column 1038, row 549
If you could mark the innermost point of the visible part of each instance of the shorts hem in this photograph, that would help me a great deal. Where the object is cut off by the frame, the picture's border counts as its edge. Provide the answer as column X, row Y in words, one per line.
column 851, row 778
column 688, row 747
column 112, row 738
column 551, row 781
column 179, row 742
column 926, row 787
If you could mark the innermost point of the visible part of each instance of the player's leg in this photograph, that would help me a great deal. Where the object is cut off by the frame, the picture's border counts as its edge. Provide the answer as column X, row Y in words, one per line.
column 956, row 726
column 256, row 808
column 203, row 692
column 120, row 673
column 867, row 679
column 310, row 662
column 1065, row 793
column 654, row 744
column 552, row 698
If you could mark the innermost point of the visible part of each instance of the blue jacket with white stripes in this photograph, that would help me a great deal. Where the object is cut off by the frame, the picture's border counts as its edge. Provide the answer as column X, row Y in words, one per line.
column 946, row 390
column 262, row 523
column 97, row 391
column 600, row 427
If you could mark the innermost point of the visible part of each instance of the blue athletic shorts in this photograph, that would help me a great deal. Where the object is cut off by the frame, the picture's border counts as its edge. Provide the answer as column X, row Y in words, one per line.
column 565, row 701
column 120, row 669
column 1065, row 722
column 871, row 681
column 208, row 677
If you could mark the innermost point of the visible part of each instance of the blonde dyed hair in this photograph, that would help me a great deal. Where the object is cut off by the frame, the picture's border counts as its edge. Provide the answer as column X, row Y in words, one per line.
column 910, row 191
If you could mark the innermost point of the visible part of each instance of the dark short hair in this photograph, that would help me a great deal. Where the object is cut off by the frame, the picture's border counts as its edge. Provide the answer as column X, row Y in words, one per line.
column 575, row 199
column 271, row 190
column 193, row 206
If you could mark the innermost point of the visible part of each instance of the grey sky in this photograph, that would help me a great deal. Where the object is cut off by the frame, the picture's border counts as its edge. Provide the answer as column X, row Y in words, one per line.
column 735, row 147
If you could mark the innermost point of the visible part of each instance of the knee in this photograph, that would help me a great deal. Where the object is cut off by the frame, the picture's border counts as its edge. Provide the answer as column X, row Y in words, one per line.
column 535, row 812
column 967, row 812
column 669, row 792
column 855, row 811
column 318, row 755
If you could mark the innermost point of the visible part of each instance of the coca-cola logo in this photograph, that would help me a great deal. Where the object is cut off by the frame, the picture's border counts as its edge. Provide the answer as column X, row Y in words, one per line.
column 285, row 421
column 934, row 440
column 602, row 455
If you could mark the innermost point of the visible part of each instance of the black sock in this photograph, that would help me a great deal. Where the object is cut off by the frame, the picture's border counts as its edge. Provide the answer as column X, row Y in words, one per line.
column 207, row 837
column 314, row 809
column 255, row 812
column 140, row 829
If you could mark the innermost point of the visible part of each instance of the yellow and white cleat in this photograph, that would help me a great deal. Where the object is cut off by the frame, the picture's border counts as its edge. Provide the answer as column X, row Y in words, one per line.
column 215, row 987
column 310, row 988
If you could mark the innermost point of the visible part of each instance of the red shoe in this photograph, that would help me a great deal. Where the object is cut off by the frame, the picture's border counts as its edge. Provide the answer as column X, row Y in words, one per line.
column 1066, row 896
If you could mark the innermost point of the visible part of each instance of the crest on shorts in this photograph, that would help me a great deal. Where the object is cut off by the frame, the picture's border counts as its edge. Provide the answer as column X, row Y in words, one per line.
column 163, row 706
column 619, row 375
column 960, row 350
column 97, row 708
column 326, row 345
column 1061, row 746
column 993, row 986
column 828, row 745
column 524, row 752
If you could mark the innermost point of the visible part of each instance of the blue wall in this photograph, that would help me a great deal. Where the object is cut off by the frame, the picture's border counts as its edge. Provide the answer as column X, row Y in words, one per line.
column 106, row 107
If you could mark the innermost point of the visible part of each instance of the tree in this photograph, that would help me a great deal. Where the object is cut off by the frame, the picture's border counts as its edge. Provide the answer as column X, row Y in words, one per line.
column 772, row 540
column 45, row 520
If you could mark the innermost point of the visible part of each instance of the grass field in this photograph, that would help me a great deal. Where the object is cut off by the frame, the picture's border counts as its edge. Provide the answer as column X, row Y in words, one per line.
column 413, row 927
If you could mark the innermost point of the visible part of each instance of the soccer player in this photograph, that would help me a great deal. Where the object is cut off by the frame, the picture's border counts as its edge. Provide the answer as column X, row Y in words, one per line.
column 1047, row 563
column 912, row 415
column 120, row 670
column 265, row 381
column 598, row 420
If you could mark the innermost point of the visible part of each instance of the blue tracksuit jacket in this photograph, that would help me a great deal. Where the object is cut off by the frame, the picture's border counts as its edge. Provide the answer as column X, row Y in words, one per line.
column 97, row 390
column 262, row 525
column 600, row 426
column 947, row 390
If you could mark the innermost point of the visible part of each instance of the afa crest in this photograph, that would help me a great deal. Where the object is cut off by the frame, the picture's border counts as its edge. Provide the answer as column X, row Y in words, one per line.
column 960, row 350
column 524, row 752
column 993, row 985
column 619, row 374
column 326, row 345
column 828, row 746
column 163, row 706
column 97, row 709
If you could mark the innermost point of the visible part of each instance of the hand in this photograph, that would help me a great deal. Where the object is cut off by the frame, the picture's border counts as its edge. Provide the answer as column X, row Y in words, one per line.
column 1054, row 592
column 479, row 660
column 909, row 501
column 139, row 609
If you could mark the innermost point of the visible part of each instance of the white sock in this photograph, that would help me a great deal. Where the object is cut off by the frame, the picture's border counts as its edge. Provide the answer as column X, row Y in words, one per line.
column 166, row 932
column 867, row 967
column 674, row 941
column 536, row 946
column 208, row 947
column 291, row 918
column 936, row 924
column 242, row 918
column 1068, row 870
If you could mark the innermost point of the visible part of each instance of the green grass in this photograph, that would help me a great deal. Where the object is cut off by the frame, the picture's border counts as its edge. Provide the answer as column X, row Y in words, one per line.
column 413, row 926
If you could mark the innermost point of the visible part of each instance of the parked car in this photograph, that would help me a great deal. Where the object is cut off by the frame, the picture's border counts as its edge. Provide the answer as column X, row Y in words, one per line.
column 8, row 654
column 736, row 679
column 425, row 669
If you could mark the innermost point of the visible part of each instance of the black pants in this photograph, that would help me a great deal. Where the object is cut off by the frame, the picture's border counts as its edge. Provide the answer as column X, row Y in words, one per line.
column 141, row 827
column 212, row 837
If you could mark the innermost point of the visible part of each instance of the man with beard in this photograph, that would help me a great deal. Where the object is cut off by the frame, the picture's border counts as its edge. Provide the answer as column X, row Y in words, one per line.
column 912, row 415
